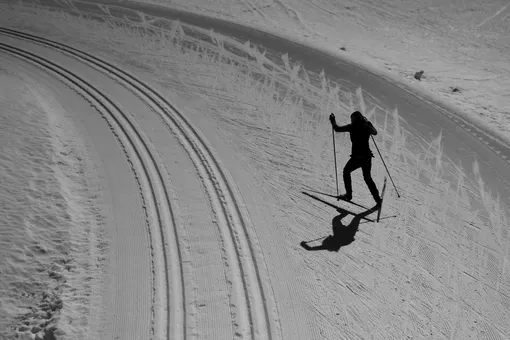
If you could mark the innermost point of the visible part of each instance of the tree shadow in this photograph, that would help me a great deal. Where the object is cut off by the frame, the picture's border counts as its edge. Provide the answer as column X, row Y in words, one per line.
column 342, row 234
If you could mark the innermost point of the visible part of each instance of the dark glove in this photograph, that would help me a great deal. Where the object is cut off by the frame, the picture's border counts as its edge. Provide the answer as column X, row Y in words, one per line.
column 332, row 119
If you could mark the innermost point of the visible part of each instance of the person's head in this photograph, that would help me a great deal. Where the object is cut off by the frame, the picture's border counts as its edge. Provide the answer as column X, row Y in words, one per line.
column 356, row 117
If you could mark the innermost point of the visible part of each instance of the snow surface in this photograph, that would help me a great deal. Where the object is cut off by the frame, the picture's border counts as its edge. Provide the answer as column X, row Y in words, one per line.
column 49, row 223
column 232, row 219
column 460, row 44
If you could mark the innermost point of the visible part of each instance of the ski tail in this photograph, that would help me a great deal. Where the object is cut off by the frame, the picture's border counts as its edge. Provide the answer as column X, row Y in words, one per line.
column 382, row 198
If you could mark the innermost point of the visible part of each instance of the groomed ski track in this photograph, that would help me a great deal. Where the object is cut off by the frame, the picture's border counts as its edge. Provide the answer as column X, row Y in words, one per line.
column 395, row 281
column 462, row 139
column 173, row 304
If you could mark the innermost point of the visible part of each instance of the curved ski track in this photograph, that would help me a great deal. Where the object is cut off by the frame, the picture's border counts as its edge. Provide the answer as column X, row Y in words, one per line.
column 136, row 150
column 247, row 298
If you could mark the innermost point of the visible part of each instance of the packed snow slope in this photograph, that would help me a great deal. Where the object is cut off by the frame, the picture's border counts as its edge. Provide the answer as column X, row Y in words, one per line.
column 202, row 151
column 51, row 225
column 423, row 111
column 462, row 45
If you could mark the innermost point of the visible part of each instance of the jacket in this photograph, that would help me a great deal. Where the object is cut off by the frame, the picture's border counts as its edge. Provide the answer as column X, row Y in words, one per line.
column 360, row 137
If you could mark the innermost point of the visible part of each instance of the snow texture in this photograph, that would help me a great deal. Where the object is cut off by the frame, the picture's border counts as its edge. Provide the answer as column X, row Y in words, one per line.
column 151, row 181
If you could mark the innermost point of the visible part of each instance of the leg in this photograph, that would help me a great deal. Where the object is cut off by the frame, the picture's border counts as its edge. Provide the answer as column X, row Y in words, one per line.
column 367, row 168
column 352, row 164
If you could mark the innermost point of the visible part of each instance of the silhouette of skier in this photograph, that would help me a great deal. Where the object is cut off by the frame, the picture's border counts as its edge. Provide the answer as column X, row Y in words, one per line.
column 360, row 130
column 342, row 234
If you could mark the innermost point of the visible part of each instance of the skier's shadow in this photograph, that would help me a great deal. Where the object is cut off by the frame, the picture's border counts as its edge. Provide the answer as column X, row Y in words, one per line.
column 342, row 234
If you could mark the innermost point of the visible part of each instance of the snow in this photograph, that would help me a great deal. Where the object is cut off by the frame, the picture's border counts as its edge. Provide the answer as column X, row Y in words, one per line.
column 231, row 214
column 48, row 215
column 459, row 44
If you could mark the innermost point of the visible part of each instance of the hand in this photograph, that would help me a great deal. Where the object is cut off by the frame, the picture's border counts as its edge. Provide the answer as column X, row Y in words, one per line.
column 332, row 119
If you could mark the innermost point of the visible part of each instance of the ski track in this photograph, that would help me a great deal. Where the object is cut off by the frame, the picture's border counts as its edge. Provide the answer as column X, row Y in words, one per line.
column 251, row 318
column 139, row 157
column 253, row 8
column 291, row 12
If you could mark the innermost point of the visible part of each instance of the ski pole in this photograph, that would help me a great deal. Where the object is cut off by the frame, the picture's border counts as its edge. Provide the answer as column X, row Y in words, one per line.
column 385, row 165
column 334, row 155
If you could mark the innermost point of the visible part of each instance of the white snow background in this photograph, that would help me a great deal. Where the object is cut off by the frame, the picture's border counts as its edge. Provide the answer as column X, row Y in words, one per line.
column 436, row 267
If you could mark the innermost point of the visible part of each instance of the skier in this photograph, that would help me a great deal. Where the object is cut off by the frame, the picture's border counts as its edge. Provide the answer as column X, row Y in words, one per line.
column 360, row 130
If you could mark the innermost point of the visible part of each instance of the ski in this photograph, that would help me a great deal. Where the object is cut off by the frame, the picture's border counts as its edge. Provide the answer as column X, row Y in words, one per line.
column 354, row 203
column 382, row 197
column 336, row 197
column 379, row 208
column 334, row 206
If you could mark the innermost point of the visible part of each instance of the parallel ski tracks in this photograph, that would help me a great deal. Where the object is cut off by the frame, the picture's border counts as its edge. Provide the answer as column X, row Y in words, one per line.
column 155, row 199
column 249, row 310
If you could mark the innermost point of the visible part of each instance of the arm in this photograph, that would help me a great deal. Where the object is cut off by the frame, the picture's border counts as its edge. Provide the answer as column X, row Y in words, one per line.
column 371, row 128
column 343, row 128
